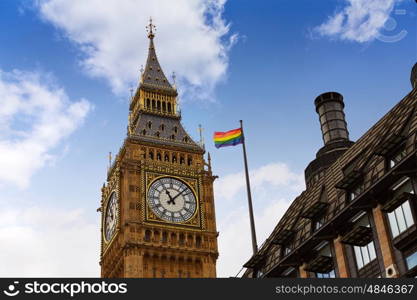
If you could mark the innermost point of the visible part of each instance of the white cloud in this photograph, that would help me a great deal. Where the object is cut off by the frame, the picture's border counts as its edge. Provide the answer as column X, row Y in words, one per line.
column 46, row 242
column 359, row 21
column 35, row 116
column 272, row 175
column 274, row 186
column 235, row 244
column 190, row 40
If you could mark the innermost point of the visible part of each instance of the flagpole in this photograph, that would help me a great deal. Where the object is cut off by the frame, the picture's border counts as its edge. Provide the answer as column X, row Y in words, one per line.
column 252, row 220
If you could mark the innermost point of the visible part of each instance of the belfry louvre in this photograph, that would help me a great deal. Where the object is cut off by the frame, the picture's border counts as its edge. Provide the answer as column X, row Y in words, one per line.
column 358, row 214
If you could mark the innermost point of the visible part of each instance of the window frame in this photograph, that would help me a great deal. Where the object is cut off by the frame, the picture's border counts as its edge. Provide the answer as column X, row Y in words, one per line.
column 413, row 210
column 401, row 150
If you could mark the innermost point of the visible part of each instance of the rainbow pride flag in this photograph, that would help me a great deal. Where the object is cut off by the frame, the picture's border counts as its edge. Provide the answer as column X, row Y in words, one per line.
column 228, row 138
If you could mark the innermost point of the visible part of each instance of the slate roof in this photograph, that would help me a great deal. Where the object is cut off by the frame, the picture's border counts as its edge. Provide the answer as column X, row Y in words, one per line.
column 161, row 130
column 401, row 120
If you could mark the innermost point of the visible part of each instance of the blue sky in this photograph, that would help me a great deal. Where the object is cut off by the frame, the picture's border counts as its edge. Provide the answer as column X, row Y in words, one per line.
column 263, row 62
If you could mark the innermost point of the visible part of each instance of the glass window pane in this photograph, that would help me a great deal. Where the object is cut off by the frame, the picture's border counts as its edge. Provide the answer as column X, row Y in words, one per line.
column 365, row 255
column 358, row 255
column 371, row 248
column 400, row 219
column 411, row 260
column 407, row 213
column 393, row 224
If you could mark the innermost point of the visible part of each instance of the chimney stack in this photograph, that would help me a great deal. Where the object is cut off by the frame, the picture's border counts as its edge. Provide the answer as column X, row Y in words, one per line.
column 414, row 76
column 333, row 125
column 330, row 107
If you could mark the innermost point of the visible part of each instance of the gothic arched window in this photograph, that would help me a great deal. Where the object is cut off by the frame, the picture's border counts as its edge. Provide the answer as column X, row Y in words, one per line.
column 147, row 235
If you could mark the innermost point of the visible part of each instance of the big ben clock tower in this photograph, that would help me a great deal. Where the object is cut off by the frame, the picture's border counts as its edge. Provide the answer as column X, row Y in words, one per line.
column 157, row 206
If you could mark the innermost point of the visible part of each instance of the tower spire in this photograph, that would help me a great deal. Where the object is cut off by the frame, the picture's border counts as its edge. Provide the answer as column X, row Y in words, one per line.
column 152, row 76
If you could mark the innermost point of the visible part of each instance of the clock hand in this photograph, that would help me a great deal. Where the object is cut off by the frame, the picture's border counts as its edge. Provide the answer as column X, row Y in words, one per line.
column 171, row 200
column 178, row 194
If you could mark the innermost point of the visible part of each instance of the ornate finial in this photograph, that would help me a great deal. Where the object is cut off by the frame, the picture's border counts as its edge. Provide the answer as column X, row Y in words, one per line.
column 200, row 130
column 174, row 77
column 150, row 29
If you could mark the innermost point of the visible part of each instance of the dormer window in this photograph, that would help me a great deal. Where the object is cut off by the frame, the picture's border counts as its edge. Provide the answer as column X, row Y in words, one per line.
column 286, row 250
column 397, row 156
column 354, row 191
column 149, row 124
column 360, row 237
column 157, row 134
column 400, row 208
column 318, row 222
column 175, row 129
column 162, row 127
column 322, row 264
column 144, row 131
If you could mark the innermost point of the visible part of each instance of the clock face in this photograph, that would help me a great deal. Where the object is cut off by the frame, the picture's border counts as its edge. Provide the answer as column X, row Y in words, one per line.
column 110, row 220
column 172, row 200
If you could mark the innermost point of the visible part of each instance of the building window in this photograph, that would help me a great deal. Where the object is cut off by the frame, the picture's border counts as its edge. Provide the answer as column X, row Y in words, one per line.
column 324, row 250
column 397, row 156
column 287, row 250
column 317, row 223
column 354, row 192
column 400, row 219
column 164, row 237
column 411, row 261
column 331, row 274
column 147, row 236
column 364, row 255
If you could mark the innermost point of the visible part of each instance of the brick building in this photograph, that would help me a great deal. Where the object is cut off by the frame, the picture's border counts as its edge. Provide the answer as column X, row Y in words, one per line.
column 358, row 214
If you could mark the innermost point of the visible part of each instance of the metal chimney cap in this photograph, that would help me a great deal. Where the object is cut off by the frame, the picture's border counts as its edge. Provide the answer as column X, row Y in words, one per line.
column 328, row 97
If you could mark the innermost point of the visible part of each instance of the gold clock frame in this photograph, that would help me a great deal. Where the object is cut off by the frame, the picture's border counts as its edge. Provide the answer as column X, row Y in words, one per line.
column 184, row 224
column 108, row 242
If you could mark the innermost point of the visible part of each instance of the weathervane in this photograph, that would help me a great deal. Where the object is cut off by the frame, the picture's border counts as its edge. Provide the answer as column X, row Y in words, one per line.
column 151, row 29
